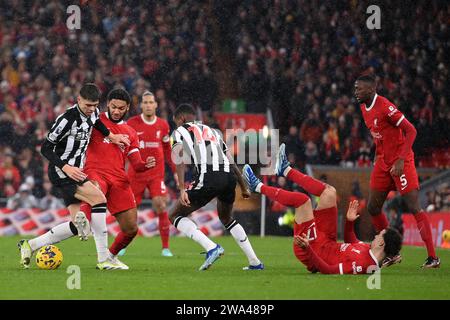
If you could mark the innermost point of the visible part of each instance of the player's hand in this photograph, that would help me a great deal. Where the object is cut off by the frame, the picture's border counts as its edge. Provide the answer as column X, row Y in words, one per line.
column 352, row 213
column 397, row 168
column 74, row 173
column 150, row 162
column 119, row 139
column 302, row 241
column 184, row 199
column 246, row 193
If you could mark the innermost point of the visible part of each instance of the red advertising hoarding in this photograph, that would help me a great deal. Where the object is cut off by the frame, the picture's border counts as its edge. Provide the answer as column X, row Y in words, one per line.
column 439, row 222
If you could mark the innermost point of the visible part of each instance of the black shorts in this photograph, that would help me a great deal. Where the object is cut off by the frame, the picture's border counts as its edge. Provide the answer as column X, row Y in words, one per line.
column 215, row 184
column 66, row 189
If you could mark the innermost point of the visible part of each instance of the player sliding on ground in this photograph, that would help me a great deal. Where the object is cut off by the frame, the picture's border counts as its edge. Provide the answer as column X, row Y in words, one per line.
column 315, row 241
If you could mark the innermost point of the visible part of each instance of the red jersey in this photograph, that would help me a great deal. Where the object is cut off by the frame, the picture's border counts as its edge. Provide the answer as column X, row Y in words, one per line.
column 100, row 149
column 352, row 258
column 154, row 141
column 383, row 118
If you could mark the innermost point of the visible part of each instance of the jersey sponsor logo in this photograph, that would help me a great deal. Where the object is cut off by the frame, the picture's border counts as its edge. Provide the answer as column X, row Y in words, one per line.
column 143, row 144
column 356, row 268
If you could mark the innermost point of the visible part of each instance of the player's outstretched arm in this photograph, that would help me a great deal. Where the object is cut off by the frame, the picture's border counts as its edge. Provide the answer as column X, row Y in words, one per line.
column 352, row 215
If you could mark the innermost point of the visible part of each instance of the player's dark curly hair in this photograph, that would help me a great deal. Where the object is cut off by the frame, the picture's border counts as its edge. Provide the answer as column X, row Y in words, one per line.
column 392, row 242
column 90, row 91
column 367, row 78
column 185, row 109
column 119, row 94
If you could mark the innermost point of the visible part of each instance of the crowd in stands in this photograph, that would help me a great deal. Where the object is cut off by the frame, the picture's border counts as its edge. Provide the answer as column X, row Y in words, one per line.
column 300, row 58
column 158, row 46
column 439, row 199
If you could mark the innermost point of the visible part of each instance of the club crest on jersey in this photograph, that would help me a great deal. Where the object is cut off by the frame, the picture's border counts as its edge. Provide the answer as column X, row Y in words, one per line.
column 375, row 123
column 158, row 134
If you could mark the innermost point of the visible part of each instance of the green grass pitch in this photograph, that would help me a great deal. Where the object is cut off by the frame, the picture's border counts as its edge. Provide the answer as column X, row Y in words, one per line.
column 154, row 277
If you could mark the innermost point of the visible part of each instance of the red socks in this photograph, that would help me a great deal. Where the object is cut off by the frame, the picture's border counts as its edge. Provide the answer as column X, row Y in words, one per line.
column 164, row 228
column 87, row 209
column 380, row 222
column 122, row 241
column 311, row 185
column 287, row 198
column 425, row 232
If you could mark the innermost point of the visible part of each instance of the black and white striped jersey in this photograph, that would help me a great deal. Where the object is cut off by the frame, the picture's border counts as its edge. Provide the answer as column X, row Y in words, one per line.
column 203, row 145
column 70, row 135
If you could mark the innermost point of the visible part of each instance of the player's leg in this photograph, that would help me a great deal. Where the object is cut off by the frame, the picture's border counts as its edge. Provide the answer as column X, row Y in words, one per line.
column 58, row 233
column 158, row 193
column 93, row 195
column 287, row 198
column 309, row 184
column 408, row 184
column 178, row 217
column 381, row 183
column 238, row 233
column 225, row 200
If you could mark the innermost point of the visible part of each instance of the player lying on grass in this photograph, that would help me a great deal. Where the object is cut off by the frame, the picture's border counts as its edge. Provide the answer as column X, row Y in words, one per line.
column 315, row 232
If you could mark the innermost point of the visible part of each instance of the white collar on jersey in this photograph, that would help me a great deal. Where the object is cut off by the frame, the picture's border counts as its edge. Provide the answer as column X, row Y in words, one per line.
column 148, row 122
column 373, row 103
column 374, row 258
column 107, row 115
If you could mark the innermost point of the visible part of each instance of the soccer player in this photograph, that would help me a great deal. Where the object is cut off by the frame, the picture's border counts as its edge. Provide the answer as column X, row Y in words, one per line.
column 216, row 176
column 154, row 141
column 315, row 231
column 65, row 149
column 105, row 165
column 394, row 165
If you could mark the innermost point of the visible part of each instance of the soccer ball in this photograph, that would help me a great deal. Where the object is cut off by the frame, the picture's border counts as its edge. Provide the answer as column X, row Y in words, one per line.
column 49, row 257
column 446, row 236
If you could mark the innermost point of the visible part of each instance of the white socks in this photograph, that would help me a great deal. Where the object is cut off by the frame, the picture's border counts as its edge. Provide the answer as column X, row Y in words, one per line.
column 54, row 235
column 190, row 229
column 241, row 238
column 100, row 231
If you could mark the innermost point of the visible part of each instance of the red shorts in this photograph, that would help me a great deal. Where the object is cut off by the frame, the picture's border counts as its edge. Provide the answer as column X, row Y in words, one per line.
column 156, row 187
column 322, row 234
column 118, row 193
column 382, row 180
